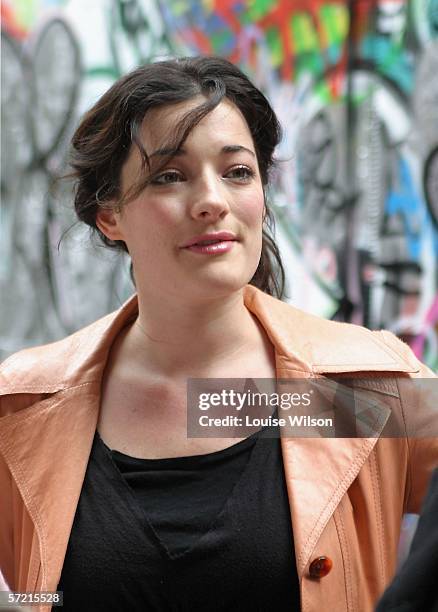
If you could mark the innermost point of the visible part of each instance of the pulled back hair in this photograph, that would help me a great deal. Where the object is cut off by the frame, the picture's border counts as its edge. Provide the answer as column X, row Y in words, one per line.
column 102, row 142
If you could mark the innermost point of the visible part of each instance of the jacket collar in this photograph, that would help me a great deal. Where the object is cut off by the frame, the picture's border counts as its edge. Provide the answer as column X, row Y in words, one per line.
column 75, row 360
column 303, row 343
column 308, row 343
column 59, row 430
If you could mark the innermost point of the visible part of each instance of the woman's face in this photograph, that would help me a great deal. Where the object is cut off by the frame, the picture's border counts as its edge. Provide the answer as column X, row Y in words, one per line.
column 196, row 229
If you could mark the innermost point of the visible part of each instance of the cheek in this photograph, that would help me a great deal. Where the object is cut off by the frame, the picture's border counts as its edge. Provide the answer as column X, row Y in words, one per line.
column 251, row 208
column 155, row 219
column 166, row 213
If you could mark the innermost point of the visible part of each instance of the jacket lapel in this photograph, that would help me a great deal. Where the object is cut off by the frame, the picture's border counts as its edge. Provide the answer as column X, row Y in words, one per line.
column 47, row 451
column 319, row 471
column 311, row 344
column 48, row 444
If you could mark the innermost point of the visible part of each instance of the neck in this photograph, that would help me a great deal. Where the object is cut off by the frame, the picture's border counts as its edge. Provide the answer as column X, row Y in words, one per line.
column 192, row 338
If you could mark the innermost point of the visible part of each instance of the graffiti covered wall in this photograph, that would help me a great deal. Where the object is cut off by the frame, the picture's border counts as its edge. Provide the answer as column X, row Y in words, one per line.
column 59, row 56
column 356, row 189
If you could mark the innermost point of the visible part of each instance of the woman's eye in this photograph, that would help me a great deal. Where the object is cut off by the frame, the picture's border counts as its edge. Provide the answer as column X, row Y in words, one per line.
column 167, row 178
column 242, row 173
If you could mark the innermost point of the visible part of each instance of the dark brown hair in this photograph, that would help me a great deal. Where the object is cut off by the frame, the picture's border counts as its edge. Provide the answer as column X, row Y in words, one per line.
column 102, row 142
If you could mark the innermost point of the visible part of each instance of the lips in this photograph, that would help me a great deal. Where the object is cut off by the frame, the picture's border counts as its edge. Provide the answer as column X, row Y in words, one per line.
column 206, row 242
column 211, row 238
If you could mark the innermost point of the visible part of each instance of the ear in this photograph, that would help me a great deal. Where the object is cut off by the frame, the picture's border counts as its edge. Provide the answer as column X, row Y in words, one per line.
column 108, row 221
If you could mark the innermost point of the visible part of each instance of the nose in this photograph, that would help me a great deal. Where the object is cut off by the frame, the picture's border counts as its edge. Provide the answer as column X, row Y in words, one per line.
column 209, row 201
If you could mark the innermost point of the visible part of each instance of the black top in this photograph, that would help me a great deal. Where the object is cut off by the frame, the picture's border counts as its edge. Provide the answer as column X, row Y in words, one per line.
column 208, row 532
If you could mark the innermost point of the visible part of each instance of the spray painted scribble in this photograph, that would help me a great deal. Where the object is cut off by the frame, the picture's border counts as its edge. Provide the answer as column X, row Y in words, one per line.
column 47, row 81
column 40, row 78
column 355, row 87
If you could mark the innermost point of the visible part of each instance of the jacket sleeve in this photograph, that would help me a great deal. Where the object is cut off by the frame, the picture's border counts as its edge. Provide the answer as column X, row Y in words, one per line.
column 10, row 508
column 419, row 403
column 6, row 525
column 421, row 413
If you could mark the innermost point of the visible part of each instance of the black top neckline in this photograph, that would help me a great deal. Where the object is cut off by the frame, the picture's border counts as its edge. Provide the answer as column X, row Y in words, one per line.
column 200, row 459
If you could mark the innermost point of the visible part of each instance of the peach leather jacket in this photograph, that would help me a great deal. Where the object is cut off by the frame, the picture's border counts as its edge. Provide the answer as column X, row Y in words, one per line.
column 347, row 496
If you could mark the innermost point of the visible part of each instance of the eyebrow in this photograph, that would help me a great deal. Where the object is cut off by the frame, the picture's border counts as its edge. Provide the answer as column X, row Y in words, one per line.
column 169, row 152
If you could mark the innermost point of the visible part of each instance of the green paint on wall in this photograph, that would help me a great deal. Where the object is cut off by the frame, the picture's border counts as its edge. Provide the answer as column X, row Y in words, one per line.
column 179, row 8
column 219, row 40
column 334, row 19
column 26, row 12
column 309, row 62
column 323, row 92
column 304, row 37
column 259, row 8
column 274, row 46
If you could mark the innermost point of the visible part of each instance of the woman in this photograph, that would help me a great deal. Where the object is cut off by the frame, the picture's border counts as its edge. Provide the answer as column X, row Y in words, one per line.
column 107, row 498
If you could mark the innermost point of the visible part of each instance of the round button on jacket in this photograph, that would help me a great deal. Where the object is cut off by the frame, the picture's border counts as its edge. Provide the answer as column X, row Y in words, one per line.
column 320, row 567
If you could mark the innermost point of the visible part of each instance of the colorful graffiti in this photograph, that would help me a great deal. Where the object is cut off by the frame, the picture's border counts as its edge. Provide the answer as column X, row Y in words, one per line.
column 356, row 194
column 363, row 125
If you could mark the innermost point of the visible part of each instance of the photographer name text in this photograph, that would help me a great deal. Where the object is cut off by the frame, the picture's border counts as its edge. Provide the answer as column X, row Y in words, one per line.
column 269, row 421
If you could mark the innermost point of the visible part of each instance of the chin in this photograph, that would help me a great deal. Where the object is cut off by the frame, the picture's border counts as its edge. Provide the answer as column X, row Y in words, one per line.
column 215, row 285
